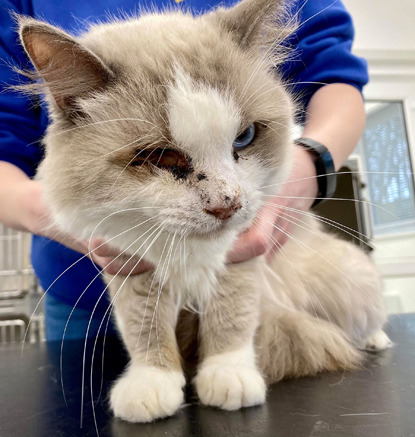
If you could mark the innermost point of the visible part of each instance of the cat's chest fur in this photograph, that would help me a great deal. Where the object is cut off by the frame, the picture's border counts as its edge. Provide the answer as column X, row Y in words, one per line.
column 190, row 268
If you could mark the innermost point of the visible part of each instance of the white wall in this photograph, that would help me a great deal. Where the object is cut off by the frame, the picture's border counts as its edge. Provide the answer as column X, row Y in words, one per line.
column 385, row 36
column 383, row 24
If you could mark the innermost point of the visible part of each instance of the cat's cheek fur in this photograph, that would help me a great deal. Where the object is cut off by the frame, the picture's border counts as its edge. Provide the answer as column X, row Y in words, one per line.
column 144, row 394
column 274, row 182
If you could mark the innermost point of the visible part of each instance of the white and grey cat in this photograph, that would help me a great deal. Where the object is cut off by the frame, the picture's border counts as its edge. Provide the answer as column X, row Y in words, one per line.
column 141, row 150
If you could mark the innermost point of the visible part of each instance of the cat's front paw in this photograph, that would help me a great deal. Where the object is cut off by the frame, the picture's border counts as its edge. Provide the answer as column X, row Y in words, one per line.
column 144, row 394
column 230, row 387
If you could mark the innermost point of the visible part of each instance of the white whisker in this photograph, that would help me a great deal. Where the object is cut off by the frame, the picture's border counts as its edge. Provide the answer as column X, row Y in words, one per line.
column 337, row 173
column 282, row 251
column 87, row 255
column 343, row 228
column 161, row 285
column 333, row 198
column 159, row 228
column 121, row 233
column 80, row 297
column 155, row 275
column 305, row 246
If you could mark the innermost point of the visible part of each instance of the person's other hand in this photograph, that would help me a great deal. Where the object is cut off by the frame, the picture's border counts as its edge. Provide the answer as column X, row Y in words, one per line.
column 280, row 214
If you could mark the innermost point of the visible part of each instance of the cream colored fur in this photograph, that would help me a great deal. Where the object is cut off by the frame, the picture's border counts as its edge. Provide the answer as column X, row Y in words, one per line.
column 191, row 85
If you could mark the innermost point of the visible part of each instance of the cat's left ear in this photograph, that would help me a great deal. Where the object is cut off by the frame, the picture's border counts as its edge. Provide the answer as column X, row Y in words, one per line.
column 254, row 23
column 68, row 68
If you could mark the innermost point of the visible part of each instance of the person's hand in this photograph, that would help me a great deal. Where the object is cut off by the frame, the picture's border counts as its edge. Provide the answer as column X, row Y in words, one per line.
column 280, row 214
column 35, row 217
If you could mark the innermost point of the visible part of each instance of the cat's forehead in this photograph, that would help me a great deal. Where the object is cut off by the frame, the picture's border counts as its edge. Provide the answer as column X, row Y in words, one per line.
column 153, row 39
column 200, row 117
column 181, row 65
column 151, row 47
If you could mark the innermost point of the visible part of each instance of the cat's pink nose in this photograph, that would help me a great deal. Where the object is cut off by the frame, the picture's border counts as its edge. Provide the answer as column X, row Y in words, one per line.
column 224, row 213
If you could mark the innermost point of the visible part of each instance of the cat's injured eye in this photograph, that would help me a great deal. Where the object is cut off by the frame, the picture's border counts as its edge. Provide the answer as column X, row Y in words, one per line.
column 244, row 139
column 166, row 159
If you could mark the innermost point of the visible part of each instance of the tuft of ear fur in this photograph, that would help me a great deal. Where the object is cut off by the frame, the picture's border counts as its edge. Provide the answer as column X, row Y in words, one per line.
column 257, row 23
column 68, row 69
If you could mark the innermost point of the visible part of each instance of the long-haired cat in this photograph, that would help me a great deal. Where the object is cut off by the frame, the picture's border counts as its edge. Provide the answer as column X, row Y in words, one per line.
column 166, row 130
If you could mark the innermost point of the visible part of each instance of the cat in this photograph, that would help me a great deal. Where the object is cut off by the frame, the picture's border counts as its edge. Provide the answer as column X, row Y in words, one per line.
column 168, row 133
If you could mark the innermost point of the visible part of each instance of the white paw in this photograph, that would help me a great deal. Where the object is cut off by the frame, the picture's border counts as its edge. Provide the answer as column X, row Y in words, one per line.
column 230, row 387
column 144, row 394
column 377, row 342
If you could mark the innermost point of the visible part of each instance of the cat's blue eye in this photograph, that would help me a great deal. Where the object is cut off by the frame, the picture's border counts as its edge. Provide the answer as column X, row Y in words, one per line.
column 245, row 138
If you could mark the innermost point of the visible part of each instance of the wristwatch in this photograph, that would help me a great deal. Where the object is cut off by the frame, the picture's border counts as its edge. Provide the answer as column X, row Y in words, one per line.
column 326, row 172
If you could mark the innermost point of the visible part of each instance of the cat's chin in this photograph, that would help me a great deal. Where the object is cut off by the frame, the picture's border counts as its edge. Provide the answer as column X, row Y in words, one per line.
column 210, row 235
column 223, row 229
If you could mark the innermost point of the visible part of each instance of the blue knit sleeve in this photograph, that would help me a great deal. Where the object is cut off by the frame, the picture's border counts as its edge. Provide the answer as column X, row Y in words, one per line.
column 20, row 119
column 322, row 50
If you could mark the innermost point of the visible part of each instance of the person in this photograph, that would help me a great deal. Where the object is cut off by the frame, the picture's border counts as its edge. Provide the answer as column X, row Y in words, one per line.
column 323, row 72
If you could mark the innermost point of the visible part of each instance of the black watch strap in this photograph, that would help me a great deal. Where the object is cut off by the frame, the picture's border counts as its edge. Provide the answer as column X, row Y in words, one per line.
column 326, row 172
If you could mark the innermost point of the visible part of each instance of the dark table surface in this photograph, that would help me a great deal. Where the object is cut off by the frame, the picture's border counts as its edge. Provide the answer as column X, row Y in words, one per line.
column 378, row 400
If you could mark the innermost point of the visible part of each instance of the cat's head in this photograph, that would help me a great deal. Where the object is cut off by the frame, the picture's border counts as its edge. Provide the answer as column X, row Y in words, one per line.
column 170, row 118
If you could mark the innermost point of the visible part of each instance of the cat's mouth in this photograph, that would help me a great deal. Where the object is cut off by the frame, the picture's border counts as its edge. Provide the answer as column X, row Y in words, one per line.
column 211, row 226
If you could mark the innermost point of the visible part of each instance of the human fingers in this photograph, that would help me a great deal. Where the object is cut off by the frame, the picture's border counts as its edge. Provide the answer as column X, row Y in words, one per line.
column 256, row 240
column 121, row 266
column 100, row 248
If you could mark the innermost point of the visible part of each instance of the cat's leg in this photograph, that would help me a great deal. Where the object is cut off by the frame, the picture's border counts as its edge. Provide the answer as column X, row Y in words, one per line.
column 292, row 344
column 151, row 387
column 228, row 376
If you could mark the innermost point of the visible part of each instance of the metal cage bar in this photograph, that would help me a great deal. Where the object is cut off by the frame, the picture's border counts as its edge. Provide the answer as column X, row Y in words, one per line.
column 18, row 289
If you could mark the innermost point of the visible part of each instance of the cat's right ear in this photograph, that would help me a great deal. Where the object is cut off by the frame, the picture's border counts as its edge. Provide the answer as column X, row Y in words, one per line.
column 69, row 69
column 257, row 23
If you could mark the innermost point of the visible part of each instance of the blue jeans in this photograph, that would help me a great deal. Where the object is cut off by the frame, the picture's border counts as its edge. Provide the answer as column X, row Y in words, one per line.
column 56, row 317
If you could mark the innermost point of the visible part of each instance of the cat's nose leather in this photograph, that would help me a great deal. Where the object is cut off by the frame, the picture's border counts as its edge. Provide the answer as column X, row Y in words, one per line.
column 224, row 213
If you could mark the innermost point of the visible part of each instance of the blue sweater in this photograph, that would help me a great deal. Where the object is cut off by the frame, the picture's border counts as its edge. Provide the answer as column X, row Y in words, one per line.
column 322, row 43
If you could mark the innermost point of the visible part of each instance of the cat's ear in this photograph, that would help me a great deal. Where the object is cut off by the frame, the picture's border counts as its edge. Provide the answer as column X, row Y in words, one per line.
column 256, row 22
column 68, row 68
